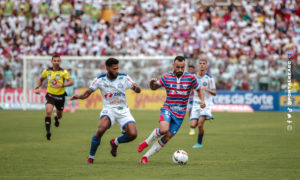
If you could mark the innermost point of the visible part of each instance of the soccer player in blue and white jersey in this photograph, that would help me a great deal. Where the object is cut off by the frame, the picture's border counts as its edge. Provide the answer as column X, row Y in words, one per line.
column 178, row 85
column 199, row 114
column 115, row 108
column 191, row 70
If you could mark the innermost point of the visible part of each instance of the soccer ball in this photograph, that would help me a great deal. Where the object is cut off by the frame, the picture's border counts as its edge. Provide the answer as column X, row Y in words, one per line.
column 180, row 157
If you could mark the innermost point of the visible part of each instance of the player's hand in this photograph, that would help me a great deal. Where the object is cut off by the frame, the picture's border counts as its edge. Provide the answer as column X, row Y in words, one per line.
column 136, row 88
column 202, row 105
column 153, row 80
column 58, row 85
column 37, row 91
column 76, row 96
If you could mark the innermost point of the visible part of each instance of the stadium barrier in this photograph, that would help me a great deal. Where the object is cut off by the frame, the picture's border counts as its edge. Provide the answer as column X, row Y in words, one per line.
column 230, row 101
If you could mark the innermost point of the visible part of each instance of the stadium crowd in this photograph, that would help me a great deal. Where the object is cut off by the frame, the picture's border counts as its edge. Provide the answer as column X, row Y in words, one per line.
column 246, row 44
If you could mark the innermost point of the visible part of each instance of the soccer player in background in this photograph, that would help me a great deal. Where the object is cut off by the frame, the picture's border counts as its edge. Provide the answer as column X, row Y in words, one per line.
column 200, row 114
column 70, row 104
column 56, row 77
column 191, row 70
column 178, row 85
column 115, row 108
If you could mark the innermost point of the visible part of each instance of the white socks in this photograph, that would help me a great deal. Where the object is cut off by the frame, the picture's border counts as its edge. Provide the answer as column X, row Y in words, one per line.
column 155, row 133
column 155, row 148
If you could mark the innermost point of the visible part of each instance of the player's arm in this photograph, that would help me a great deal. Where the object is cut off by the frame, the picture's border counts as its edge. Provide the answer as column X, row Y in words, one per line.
column 154, row 84
column 39, row 84
column 136, row 88
column 201, row 96
column 210, row 91
column 84, row 95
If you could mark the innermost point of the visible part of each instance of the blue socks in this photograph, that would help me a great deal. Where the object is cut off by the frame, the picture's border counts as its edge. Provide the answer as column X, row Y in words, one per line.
column 200, row 137
column 94, row 145
column 122, row 139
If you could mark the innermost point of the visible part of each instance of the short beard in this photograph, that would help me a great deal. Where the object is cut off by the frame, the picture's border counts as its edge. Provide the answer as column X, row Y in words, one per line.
column 112, row 75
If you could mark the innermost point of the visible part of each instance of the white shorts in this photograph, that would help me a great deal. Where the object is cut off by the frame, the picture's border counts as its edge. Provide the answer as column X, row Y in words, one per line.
column 121, row 116
column 198, row 112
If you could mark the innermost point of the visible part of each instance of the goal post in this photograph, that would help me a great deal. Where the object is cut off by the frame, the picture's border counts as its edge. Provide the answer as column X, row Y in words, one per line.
column 141, row 68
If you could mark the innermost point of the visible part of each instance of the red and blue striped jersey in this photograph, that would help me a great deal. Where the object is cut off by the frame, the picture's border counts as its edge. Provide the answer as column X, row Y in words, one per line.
column 178, row 92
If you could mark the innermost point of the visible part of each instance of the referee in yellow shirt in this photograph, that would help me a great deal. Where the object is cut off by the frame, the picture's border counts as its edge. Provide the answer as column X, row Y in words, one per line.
column 55, row 96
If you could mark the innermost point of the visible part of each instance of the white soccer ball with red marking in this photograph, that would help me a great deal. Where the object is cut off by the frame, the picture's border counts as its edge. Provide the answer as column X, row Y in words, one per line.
column 180, row 157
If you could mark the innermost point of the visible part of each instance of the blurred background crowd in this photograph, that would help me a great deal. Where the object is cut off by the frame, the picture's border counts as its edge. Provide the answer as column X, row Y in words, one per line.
column 246, row 42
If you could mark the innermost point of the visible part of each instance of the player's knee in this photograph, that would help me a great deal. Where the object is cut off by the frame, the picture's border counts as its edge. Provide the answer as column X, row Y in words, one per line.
column 200, row 125
column 100, row 131
column 132, row 135
column 164, row 130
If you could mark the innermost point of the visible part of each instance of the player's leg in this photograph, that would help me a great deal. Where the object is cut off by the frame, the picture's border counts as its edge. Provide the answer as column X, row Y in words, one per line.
column 59, row 105
column 129, row 134
column 157, row 132
column 195, row 113
column 201, row 122
column 49, row 109
column 160, row 143
column 103, row 124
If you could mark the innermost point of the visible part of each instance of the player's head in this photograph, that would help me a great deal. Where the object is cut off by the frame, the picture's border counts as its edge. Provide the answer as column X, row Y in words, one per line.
column 55, row 60
column 179, row 65
column 202, row 64
column 112, row 67
column 191, row 69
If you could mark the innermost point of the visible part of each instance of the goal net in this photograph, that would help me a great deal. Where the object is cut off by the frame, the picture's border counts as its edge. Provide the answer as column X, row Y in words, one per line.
column 86, row 68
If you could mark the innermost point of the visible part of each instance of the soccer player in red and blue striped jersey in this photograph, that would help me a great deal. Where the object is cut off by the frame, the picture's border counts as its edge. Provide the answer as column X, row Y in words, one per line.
column 178, row 85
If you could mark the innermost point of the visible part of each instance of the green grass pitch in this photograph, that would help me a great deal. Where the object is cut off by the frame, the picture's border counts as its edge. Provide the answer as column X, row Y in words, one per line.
column 236, row 146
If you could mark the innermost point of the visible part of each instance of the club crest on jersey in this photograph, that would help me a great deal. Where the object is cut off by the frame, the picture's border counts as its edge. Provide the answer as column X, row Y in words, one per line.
column 120, row 85
column 49, row 76
column 204, row 83
column 57, row 76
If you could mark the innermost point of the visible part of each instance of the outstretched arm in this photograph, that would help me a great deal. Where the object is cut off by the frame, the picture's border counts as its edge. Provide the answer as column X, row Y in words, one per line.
column 84, row 95
column 201, row 96
column 136, row 88
column 153, row 84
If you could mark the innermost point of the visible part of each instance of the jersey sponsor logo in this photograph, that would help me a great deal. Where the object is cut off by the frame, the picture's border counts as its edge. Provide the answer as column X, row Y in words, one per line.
column 103, row 79
column 121, row 78
column 110, row 95
column 53, row 82
column 115, row 102
column 179, row 92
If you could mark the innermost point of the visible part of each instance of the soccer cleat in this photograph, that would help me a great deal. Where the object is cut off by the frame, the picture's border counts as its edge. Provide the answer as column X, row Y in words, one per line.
column 90, row 161
column 192, row 133
column 56, row 122
column 197, row 145
column 142, row 146
column 48, row 135
column 144, row 160
column 114, row 148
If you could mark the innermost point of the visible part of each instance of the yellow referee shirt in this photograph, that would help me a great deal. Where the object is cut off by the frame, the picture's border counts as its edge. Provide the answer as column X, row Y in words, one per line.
column 55, row 77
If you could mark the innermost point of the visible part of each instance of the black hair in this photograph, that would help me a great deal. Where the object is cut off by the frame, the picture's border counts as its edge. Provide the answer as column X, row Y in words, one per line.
column 179, row 58
column 55, row 56
column 111, row 61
